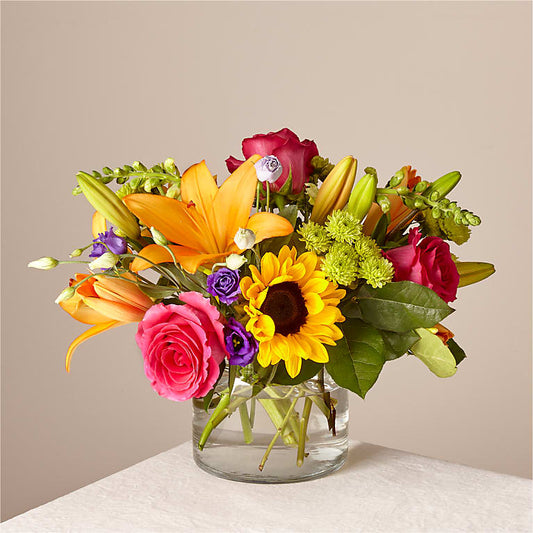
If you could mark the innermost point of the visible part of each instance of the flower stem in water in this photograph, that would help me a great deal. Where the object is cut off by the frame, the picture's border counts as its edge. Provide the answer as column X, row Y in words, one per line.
column 304, row 420
column 245, row 422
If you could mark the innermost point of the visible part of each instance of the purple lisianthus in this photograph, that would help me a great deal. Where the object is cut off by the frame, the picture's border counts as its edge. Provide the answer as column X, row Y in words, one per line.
column 108, row 242
column 240, row 344
column 224, row 283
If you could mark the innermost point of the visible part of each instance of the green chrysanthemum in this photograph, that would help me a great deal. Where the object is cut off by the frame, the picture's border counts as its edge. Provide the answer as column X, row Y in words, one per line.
column 343, row 227
column 377, row 271
column 340, row 264
column 365, row 246
column 315, row 238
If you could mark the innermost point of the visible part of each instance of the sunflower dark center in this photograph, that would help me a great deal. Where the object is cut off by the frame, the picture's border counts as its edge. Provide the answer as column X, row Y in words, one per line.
column 285, row 304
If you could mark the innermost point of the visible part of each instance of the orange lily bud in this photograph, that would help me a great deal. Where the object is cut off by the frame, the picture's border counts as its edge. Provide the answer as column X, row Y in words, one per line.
column 335, row 190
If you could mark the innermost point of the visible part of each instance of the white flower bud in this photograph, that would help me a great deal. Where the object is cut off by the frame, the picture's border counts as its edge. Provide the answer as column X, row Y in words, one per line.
column 268, row 169
column 235, row 261
column 105, row 261
column 158, row 237
column 76, row 253
column 44, row 263
column 244, row 238
column 65, row 294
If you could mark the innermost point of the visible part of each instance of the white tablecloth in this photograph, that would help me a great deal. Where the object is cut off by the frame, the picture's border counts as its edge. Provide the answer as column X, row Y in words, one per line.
column 378, row 490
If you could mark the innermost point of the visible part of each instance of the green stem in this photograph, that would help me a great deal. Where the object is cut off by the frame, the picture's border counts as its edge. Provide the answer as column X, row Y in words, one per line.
column 268, row 196
column 257, row 192
column 222, row 404
column 279, row 431
column 253, row 403
column 246, row 425
column 304, row 421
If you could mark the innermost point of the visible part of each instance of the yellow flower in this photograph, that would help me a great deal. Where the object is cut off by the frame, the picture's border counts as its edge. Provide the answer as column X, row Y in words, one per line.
column 292, row 309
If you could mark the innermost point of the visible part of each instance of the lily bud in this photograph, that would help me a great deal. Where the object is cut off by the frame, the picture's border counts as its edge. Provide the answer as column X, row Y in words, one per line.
column 105, row 261
column 244, row 238
column 235, row 261
column 108, row 204
column 472, row 272
column 268, row 169
column 44, row 263
column 443, row 185
column 362, row 196
column 335, row 191
column 158, row 237
column 65, row 294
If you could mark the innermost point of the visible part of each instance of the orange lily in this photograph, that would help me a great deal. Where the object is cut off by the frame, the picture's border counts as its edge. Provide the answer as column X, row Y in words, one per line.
column 106, row 303
column 398, row 210
column 203, row 224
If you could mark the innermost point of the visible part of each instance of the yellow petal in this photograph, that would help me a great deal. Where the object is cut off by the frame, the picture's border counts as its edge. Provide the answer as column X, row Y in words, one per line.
column 234, row 199
column 313, row 303
column 124, row 292
column 91, row 332
column 98, row 225
column 318, row 353
column 266, row 225
column 293, row 364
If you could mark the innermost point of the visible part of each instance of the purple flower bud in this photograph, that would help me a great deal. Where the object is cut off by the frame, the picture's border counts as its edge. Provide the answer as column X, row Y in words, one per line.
column 224, row 283
column 240, row 344
column 268, row 169
column 108, row 242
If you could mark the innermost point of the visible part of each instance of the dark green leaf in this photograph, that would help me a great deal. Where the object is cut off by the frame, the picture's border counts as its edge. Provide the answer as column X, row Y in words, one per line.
column 351, row 309
column 380, row 231
column 402, row 306
column 397, row 344
column 357, row 360
column 289, row 212
column 457, row 352
column 309, row 370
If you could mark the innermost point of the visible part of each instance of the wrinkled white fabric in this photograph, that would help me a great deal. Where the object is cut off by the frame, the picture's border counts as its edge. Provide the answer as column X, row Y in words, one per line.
column 378, row 490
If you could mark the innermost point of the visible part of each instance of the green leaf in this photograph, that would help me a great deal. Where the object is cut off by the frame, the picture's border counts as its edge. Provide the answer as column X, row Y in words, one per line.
column 357, row 360
column 434, row 354
column 402, row 306
column 456, row 350
column 309, row 369
column 397, row 344
column 287, row 186
column 351, row 309
column 381, row 229
column 289, row 212
column 158, row 291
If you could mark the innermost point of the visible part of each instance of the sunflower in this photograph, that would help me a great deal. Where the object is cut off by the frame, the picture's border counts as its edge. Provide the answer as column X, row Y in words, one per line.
column 292, row 309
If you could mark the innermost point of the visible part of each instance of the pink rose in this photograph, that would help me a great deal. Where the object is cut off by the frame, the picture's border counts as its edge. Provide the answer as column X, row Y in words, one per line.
column 182, row 347
column 287, row 147
column 427, row 262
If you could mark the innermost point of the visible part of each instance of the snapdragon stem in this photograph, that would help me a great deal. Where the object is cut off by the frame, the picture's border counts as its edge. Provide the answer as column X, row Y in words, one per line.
column 279, row 431
column 268, row 196
column 245, row 423
column 257, row 192
column 304, row 421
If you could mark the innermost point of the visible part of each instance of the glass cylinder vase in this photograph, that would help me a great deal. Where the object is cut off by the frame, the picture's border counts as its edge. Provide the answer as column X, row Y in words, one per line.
column 280, row 434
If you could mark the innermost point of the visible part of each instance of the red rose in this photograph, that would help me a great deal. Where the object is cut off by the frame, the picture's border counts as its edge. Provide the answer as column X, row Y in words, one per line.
column 292, row 153
column 427, row 262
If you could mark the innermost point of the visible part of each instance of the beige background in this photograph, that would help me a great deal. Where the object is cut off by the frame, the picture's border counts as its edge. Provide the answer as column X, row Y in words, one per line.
column 441, row 86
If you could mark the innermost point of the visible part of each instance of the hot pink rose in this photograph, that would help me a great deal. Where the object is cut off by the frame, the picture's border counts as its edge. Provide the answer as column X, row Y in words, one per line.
column 182, row 347
column 428, row 262
column 292, row 153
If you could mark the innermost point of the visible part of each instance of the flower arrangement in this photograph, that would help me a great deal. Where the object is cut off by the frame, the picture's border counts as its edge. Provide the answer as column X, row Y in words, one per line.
column 329, row 278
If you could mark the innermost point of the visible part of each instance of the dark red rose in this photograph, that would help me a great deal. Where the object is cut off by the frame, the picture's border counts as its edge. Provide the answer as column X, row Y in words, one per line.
column 292, row 153
column 427, row 262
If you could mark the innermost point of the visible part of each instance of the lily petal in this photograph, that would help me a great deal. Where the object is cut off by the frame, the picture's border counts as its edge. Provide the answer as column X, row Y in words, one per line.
column 78, row 310
column 235, row 198
column 122, row 291
column 178, row 222
column 188, row 258
column 99, row 328
column 115, row 311
column 266, row 225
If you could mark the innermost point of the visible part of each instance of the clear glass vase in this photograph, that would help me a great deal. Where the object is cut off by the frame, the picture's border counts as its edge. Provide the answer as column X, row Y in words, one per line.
column 282, row 434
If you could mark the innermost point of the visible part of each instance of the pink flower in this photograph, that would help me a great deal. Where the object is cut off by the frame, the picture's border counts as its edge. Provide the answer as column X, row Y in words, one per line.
column 182, row 347
column 427, row 262
column 292, row 153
